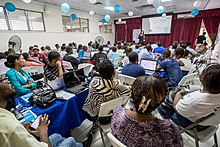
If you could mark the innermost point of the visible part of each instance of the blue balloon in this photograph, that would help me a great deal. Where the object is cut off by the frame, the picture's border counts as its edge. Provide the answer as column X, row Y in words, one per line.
column 117, row 8
column 65, row 7
column 10, row 7
column 160, row 10
column 195, row 12
column 103, row 20
column 73, row 16
column 107, row 17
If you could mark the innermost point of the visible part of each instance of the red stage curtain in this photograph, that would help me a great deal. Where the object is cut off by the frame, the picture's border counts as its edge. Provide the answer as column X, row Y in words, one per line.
column 191, row 29
column 133, row 23
column 119, row 32
column 211, row 25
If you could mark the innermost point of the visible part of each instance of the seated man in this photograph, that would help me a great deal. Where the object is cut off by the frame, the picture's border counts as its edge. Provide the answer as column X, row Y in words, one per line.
column 99, row 56
column 14, row 134
column 133, row 69
column 193, row 106
column 69, row 58
column 113, row 55
column 159, row 49
column 146, row 53
column 103, row 89
column 54, row 68
column 171, row 68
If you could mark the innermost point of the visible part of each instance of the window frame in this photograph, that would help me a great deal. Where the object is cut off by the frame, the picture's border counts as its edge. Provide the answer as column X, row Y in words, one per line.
column 27, row 20
column 80, row 25
column 106, row 28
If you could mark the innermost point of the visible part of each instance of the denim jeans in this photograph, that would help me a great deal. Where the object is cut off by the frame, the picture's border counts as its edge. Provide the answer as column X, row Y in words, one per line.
column 58, row 141
column 178, row 119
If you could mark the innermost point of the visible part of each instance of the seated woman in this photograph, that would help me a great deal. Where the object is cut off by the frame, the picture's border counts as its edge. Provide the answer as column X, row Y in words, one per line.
column 137, row 126
column 103, row 89
column 18, row 77
column 30, row 61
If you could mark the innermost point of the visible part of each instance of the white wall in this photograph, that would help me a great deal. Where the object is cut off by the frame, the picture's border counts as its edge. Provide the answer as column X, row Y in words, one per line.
column 54, row 29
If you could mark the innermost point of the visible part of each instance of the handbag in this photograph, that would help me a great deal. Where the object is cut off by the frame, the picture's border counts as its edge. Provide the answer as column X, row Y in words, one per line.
column 43, row 97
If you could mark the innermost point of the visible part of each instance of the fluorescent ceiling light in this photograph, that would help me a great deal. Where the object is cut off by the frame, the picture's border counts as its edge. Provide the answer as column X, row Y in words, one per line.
column 166, row 0
column 109, row 8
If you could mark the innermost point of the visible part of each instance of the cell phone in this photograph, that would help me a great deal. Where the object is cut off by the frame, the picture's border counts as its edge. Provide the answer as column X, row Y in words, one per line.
column 35, row 124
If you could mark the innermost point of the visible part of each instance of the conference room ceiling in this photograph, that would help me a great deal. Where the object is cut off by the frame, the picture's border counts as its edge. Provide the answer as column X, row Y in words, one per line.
column 139, row 7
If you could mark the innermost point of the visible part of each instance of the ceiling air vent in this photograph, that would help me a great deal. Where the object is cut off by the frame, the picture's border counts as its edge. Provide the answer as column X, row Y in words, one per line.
column 144, row 7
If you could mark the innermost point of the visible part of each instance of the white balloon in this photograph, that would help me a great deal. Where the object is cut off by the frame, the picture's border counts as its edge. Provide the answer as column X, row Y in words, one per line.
column 119, row 20
column 92, row 1
column 164, row 15
column 27, row 1
column 197, row 4
column 150, row 1
column 91, row 12
column 130, row 13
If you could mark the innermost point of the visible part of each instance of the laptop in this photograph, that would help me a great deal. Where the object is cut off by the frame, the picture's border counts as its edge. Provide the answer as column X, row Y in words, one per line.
column 149, row 66
column 93, row 53
column 87, row 55
column 57, row 84
column 75, row 81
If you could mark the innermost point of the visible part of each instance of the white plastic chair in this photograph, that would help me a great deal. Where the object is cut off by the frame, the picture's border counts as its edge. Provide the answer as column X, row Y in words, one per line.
column 106, row 110
column 67, row 65
column 187, row 80
column 114, row 141
column 211, row 120
column 126, row 80
column 118, row 60
column 86, row 67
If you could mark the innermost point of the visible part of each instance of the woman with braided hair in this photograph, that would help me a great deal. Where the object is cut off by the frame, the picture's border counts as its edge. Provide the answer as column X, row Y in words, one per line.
column 137, row 126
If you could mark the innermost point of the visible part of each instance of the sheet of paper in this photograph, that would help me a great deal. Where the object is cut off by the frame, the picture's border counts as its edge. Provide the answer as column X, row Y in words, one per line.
column 29, row 116
column 65, row 95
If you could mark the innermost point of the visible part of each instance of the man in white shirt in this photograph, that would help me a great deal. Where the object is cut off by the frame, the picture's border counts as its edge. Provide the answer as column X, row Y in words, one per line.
column 13, row 134
column 198, row 104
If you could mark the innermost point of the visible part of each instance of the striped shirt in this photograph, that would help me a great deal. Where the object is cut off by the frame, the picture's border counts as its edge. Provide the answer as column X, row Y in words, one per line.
column 100, row 91
column 51, row 73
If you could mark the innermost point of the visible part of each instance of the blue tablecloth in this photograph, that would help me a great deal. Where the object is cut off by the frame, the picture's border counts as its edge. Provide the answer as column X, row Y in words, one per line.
column 64, row 114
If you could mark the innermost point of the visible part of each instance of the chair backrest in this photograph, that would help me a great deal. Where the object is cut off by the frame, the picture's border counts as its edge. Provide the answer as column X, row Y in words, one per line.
column 67, row 65
column 86, row 67
column 126, row 80
column 34, row 70
column 107, row 108
column 212, row 119
column 192, row 70
column 114, row 141
column 118, row 60
column 186, row 80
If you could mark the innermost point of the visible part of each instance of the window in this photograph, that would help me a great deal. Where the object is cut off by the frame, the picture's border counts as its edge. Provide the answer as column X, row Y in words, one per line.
column 22, row 20
column 105, row 27
column 77, row 25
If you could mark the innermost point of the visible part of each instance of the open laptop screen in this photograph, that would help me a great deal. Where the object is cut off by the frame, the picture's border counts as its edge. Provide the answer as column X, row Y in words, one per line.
column 79, row 73
column 149, row 64
column 70, row 80
column 87, row 54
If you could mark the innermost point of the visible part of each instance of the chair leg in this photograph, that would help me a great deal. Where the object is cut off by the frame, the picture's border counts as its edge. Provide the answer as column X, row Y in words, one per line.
column 94, row 125
column 215, row 140
column 103, row 141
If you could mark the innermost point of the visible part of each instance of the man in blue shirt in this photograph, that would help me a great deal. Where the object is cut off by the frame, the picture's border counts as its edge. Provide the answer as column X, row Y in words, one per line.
column 133, row 69
column 159, row 49
column 146, row 53
column 113, row 55
column 171, row 68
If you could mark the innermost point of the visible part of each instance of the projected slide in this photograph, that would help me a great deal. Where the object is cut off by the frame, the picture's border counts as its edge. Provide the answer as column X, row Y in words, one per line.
column 157, row 25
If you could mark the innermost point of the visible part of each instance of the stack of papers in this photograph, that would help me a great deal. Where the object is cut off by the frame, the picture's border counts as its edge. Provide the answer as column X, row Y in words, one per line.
column 64, row 95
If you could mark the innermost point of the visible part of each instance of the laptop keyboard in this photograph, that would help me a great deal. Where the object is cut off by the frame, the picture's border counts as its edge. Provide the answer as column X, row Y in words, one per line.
column 77, row 89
